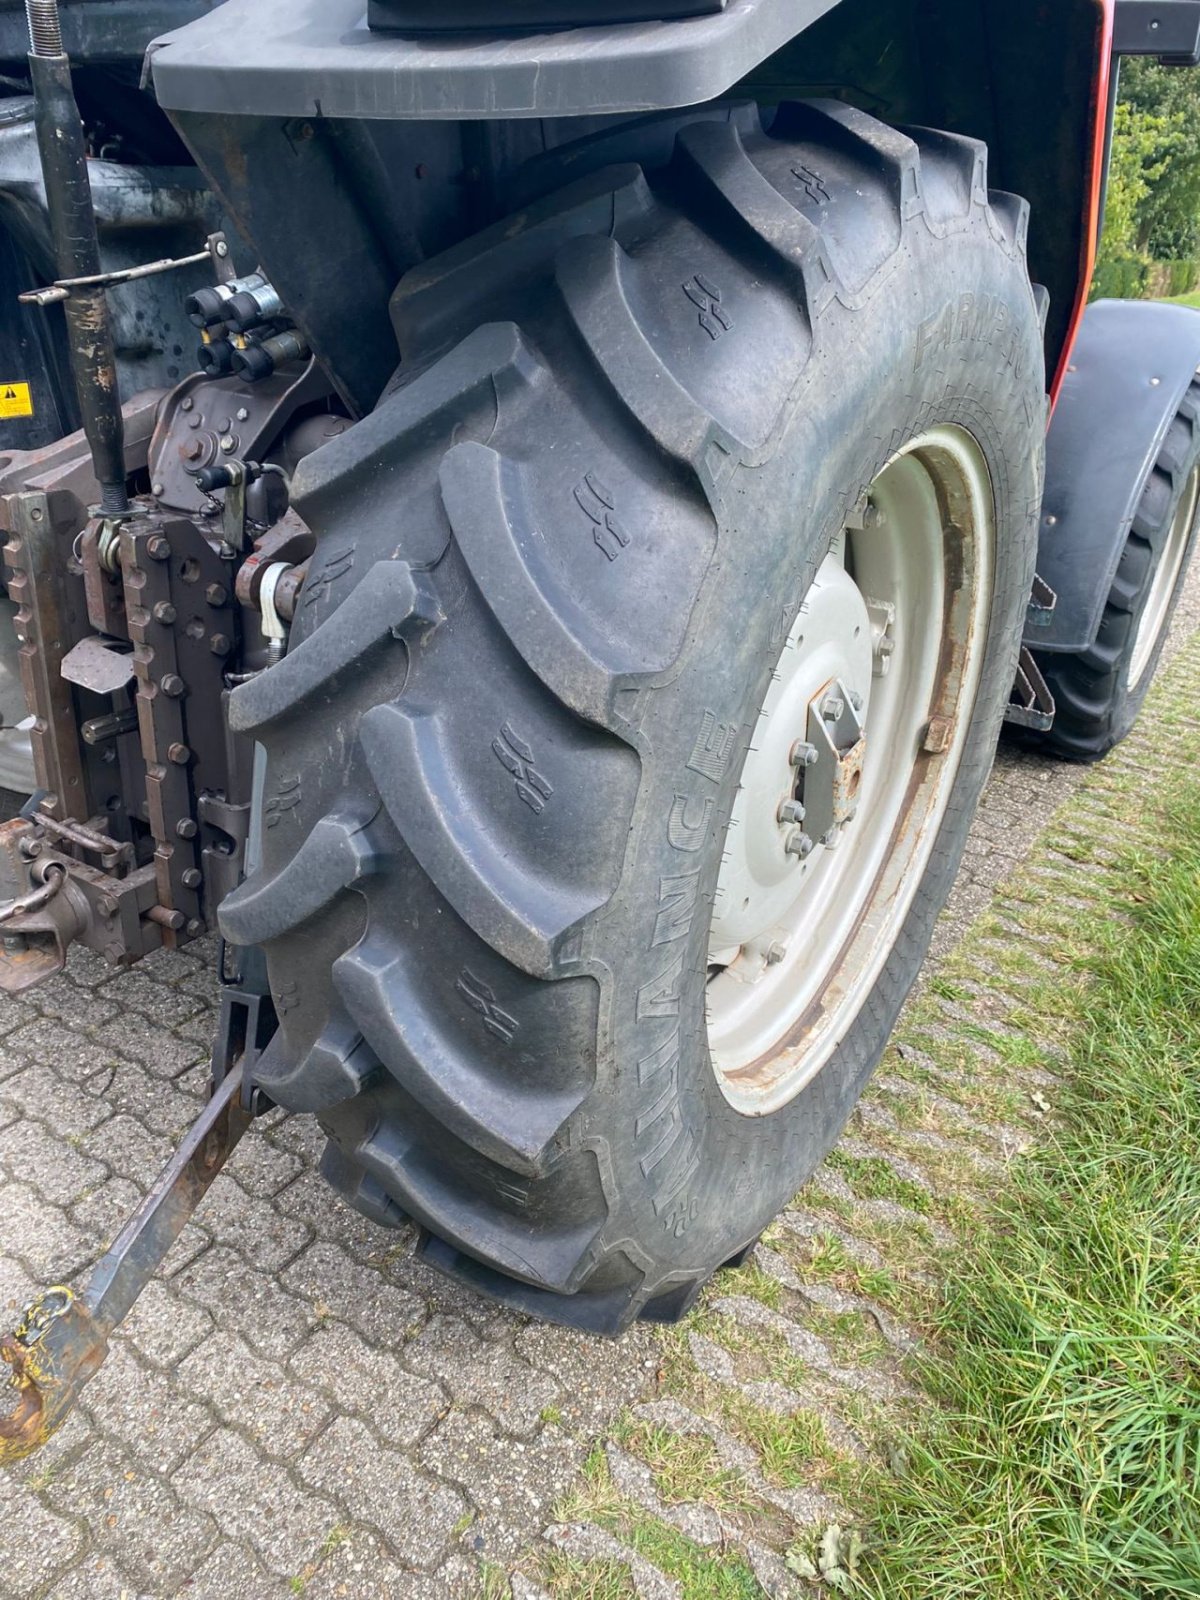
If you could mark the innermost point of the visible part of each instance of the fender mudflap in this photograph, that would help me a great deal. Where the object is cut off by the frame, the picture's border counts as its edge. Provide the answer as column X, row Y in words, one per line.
column 1131, row 367
column 320, row 58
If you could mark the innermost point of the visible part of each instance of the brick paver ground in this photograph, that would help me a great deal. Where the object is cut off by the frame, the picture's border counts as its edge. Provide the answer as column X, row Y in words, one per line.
column 297, row 1405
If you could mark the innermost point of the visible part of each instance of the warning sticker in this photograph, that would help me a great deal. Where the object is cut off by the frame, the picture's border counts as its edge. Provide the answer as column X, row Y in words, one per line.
column 15, row 400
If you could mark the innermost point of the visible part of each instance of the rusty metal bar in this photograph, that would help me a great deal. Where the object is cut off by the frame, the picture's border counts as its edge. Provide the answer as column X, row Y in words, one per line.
column 62, row 1338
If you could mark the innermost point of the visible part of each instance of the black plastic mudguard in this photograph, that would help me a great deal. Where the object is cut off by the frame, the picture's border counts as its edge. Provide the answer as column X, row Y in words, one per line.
column 1131, row 366
column 436, row 16
column 320, row 58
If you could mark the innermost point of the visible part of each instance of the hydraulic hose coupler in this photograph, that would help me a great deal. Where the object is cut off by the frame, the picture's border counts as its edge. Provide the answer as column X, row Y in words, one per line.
column 248, row 307
column 259, row 361
column 211, row 305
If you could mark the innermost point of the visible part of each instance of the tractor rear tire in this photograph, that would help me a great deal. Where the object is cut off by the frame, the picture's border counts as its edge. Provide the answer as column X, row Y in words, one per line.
column 1099, row 692
column 558, row 571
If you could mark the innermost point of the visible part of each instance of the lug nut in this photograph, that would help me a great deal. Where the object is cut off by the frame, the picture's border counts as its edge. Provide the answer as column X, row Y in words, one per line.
column 179, row 754
column 856, row 700
column 776, row 953
column 164, row 611
column 833, row 708
column 192, row 878
column 215, row 595
column 799, row 844
column 186, row 828
column 173, row 684
column 791, row 811
column 804, row 754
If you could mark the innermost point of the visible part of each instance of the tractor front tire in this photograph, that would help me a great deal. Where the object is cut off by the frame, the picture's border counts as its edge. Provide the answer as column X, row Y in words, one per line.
column 684, row 470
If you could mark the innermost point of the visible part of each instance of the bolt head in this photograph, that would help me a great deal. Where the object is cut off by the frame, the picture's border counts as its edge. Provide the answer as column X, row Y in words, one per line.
column 938, row 736
column 186, row 828
column 195, row 928
column 107, row 906
column 833, row 708
column 856, row 700
column 219, row 644
column 186, row 403
column 228, row 443
column 242, row 414
column 157, row 547
column 776, row 953
column 804, row 754
column 791, row 811
column 193, row 878
column 215, row 595
column 179, row 754
column 799, row 844
column 164, row 611
column 173, row 684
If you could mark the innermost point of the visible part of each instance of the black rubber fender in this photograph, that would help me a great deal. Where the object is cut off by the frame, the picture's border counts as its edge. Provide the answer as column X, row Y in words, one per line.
column 1133, row 363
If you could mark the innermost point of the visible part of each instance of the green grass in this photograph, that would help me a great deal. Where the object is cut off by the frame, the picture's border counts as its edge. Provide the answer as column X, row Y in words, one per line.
column 1186, row 300
column 1064, row 1460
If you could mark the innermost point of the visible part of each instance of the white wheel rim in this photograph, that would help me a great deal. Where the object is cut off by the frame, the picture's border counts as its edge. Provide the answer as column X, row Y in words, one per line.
column 897, row 619
column 1165, row 580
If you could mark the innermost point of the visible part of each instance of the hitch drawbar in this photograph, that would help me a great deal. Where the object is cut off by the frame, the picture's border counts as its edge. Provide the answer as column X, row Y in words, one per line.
column 62, row 1338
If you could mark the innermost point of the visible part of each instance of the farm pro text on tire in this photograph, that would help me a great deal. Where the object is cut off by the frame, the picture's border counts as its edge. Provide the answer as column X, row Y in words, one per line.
column 644, row 685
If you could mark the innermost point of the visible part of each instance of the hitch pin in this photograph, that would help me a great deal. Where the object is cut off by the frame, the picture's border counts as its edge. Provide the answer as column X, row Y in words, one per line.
column 62, row 1338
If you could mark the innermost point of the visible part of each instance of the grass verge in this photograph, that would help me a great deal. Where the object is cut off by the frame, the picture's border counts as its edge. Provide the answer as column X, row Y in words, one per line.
column 1063, row 1457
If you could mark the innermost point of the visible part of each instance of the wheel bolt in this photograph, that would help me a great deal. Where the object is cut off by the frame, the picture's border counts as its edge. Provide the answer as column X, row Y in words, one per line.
column 799, row 844
column 804, row 754
column 791, row 811
column 776, row 953
column 833, row 708
column 856, row 700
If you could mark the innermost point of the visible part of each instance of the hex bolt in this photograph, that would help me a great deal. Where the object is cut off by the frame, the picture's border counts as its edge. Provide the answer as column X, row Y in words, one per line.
column 164, row 611
column 215, row 595
column 873, row 516
column 776, row 953
column 799, row 844
column 192, row 878
column 30, row 848
column 791, row 811
column 15, row 942
column 173, row 684
column 193, row 450
column 179, row 754
column 106, row 906
column 832, row 839
column 195, row 928
column 186, row 403
column 242, row 414
column 833, row 708
column 228, row 443
column 219, row 645
column 804, row 754
column 937, row 736
column 157, row 547
column 856, row 700
column 186, row 828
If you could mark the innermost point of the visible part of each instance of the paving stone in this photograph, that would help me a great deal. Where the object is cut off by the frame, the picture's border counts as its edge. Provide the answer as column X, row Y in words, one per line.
column 103, row 1213
column 130, row 1149
column 17, row 1288
column 70, row 1055
column 371, row 1382
column 98, row 1578
column 164, row 1005
column 339, row 1285
column 480, row 1374
column 35, row 1543
column 512, row 1485
column 698, row 1522
column 158, row 1422
column 132, row 1516
column 253, row 1304
column 60, row 1172
column 257, row 1504
column 64, row 1001
column 416, row 1514
column 596, row 1377
column 163, row 1326
column 279, row 1414
column 261, row 1168
column 266, row 1238
column 234, row 1572
column 66, row 1110
column 160, row 1052
column 49, row 1246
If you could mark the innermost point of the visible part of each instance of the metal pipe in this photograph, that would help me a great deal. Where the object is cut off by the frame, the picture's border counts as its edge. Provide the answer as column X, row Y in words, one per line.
column 77, row 251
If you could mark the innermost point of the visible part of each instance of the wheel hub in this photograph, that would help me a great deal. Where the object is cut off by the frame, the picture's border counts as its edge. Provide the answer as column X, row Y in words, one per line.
column 844, row 784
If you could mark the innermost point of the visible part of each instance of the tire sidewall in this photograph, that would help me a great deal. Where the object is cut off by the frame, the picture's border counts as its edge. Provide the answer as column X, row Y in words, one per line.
column 691, row 1178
